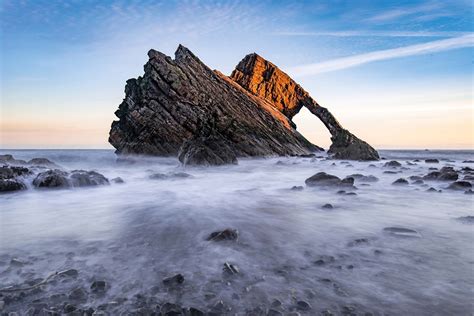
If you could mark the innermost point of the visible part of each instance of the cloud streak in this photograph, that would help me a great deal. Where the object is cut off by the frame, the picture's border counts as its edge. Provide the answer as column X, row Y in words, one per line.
column 357, row 60
column 375, row 33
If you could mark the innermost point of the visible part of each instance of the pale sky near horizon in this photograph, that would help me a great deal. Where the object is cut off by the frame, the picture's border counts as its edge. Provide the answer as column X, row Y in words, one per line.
column 398, row 74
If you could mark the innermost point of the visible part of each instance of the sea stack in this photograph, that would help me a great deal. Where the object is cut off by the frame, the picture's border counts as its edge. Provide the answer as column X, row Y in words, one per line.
column 182, row 107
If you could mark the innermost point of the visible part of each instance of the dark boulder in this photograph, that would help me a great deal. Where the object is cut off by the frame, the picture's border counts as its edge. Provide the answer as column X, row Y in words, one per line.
column 460, row 185
column 226, row 234
column 174, row 280
column 118, row 180
column 431, row 160
column 82, row 178
column 11, row 185
column 52, row 179
column 400, row 181
column 363, row 178
column 99, row 287
column 392, row 164
column 466, row 219
column 42, row 162
column 324, row 179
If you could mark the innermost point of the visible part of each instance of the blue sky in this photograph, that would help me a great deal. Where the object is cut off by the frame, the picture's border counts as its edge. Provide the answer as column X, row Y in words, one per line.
column 397, row 73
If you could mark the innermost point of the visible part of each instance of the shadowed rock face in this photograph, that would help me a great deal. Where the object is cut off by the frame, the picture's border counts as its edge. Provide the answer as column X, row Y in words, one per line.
column 263, row 79
column 166, row 106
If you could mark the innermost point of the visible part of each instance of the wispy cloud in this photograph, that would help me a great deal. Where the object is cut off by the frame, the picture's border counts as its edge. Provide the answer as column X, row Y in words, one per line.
column 375, row 33
column 403, row 12
column 353, row 61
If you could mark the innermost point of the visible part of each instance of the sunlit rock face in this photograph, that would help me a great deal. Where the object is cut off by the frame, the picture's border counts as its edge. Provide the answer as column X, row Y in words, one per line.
column 263, row 79
column 176, row 97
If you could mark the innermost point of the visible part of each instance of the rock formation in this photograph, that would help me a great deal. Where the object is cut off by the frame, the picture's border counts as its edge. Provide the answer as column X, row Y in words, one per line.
column 167, row 112
column 263, row 79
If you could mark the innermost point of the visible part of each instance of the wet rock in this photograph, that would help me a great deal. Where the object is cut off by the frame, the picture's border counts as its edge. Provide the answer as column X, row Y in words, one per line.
column 226, row 234
column 400, row 181
column 195, row 312
column 460, row 185
column 274, row 312
column 327, row 206
column 99, row 287
column 78, row 294
column 220, row 308
column 10, row 160
column 14, row 262
column 11, row 172
column 118, row 180
column 431, row 189
column 52, row 179
column 83, row 178
column 174, row 280
column 469, row 192
column 303, row 306
column 466, row 219
column 276, row 303
column 418, row 182
column 401, row 232
column 392, row 164
column 69, row 308
column 230, row 269
column 359, row 242
column 431, row 160
column 297, row 188
column 391, row 172
column 170, row 309
column 324, row 179
column 209, row 148
column 468, row 161
column 11, row 185
column 42, row 162
column 363, row 178
column 324, row 260
column 444, row 174
column 70, row 273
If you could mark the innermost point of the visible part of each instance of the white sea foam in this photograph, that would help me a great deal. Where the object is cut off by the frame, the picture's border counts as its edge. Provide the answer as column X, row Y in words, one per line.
column 134, row 234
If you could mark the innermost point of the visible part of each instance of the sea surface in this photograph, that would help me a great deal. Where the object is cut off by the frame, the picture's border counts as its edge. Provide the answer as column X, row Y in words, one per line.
column 290, row 248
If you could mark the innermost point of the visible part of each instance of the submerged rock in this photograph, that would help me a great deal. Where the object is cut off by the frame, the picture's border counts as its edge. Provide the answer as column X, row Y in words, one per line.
column 431, row 160
column 325, row 179
column 174, row 280
column 230, row 269
column 460, row 185
column 42, row 162
column 363, row 178
column 400, row 181
column 392, row 164
column 82, row 178
column 466, row 219
column 226, row 234
column 401, row 232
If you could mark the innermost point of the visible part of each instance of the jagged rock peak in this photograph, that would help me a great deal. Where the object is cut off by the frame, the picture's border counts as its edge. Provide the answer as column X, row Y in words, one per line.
column 167, row 106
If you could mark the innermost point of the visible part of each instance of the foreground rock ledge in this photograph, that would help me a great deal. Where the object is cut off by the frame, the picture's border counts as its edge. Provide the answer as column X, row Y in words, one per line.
column 175, row 98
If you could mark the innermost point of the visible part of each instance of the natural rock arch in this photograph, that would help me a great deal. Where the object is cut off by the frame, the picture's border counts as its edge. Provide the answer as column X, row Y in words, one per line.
column 170, row 104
